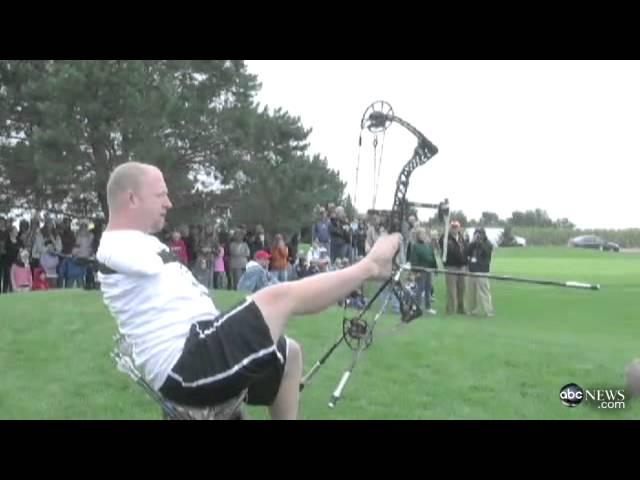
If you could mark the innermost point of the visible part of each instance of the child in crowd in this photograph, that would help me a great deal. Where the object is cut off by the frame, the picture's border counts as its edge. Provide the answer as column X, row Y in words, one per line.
column 201, row 270
column 74, row 270
column 178, row 247
column 21, row 276
column 40, row 279
column 49, row 261
column 219, row 275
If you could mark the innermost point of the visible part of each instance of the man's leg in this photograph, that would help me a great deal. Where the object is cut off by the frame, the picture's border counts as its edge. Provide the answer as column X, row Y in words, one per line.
column 333, row 253
column 426, row 290
column 285, row 406
column 472, row 296
column 82, row 279
column 237, row 273
column 484, row 297
column 461, row 281
column 277, row 384
column 421, row 279
column 314, row 294
column 6, row 285
column 244, row 348
column 452, row 299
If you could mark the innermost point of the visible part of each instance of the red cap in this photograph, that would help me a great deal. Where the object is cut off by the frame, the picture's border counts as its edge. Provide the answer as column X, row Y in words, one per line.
column 262, row 255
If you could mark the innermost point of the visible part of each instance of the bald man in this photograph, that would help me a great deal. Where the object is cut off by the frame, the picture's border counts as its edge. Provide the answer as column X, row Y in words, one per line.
column 189, row 351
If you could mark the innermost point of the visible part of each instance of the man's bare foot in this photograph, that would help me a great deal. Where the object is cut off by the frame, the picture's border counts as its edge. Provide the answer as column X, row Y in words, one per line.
column 380, row 257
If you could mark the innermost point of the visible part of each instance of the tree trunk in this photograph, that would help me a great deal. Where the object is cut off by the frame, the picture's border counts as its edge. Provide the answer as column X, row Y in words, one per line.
column 102, row 198
column 103, row 165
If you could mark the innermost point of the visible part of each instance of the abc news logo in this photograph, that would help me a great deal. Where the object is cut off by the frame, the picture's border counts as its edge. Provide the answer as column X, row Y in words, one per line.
column 573, row 395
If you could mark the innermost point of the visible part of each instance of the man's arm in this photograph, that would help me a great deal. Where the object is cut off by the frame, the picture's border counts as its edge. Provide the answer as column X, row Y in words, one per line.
column 132, row 258
column 316, row 293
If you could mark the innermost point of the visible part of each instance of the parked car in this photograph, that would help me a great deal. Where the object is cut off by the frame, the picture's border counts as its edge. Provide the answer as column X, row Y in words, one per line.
column 517, row 242
column 594, row 242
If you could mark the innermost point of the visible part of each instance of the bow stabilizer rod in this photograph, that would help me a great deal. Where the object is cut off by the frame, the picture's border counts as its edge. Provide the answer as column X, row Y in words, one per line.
column 508, row 278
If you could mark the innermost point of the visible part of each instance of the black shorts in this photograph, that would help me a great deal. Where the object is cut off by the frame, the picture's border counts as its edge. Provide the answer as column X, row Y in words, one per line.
column 226, row 355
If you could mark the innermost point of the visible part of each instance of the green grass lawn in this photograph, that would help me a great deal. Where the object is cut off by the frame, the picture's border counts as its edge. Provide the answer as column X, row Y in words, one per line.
column 55, row 364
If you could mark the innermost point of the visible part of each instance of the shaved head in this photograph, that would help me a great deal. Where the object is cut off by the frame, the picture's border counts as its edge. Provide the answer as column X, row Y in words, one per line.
column 127, row 177
column 137, row 197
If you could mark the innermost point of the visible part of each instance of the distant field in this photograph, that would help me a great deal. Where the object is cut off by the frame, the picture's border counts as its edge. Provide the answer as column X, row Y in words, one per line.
column 54, row 351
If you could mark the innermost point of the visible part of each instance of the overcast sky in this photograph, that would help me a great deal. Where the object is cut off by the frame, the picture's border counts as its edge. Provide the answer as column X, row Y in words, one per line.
column 512, row 135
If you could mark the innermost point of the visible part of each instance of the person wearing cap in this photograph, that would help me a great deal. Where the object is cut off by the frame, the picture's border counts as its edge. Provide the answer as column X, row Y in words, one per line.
column 257, row 275
column 456, row 261
column 478, row 301
column 186, row 349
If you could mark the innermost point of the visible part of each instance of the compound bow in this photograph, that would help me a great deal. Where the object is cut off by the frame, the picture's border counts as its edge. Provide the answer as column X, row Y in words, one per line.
column 357, row 332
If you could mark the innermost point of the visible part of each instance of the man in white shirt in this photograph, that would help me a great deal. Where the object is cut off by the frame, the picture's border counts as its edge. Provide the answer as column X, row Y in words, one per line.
column 186, row 349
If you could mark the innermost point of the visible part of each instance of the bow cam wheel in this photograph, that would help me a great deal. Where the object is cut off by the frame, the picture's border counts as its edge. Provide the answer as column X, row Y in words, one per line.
column 356, row 333
column 377, row 117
